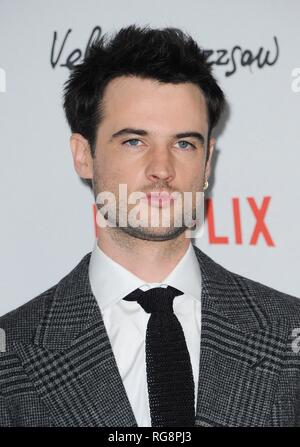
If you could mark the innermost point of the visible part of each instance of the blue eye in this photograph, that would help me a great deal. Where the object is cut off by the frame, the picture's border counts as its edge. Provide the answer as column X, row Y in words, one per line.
column 130, row 141
column 187, row 144
column 133, row 142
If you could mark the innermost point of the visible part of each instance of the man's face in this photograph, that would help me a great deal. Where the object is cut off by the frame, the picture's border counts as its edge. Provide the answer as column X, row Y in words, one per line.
column 151, row 157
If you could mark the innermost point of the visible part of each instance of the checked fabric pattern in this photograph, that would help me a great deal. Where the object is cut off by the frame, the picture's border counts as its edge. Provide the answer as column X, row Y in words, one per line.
column 59, row 369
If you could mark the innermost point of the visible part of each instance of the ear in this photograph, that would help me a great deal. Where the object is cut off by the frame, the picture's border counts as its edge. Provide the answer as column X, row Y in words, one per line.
column 210, row 149
column 82, row 156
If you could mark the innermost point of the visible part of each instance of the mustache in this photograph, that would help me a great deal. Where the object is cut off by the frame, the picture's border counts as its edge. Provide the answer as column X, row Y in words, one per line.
column 159, row 188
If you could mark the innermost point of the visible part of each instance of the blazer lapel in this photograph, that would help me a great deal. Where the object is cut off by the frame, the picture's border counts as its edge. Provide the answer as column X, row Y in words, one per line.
column 73, row 369
column 241, row 352
column 71, row 362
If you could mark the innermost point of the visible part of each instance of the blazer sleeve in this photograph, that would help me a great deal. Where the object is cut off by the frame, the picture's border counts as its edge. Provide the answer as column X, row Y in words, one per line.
column 5, row 417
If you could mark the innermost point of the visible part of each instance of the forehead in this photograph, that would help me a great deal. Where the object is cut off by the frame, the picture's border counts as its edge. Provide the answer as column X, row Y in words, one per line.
column 138, row 99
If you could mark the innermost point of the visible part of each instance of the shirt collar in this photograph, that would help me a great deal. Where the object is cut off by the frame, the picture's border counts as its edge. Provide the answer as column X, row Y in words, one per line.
column 110, row 281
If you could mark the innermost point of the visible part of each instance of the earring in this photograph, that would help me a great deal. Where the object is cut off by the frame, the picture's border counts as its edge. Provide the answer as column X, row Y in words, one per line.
column 205, row 185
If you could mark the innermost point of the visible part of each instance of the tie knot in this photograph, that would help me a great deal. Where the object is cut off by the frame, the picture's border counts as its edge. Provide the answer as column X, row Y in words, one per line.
column 157, row 299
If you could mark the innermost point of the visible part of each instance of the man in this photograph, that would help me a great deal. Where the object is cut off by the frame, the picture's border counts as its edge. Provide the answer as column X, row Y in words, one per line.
column 147, row 330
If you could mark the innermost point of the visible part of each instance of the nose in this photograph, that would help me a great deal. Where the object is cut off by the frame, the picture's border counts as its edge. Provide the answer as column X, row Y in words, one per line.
column 160, row 166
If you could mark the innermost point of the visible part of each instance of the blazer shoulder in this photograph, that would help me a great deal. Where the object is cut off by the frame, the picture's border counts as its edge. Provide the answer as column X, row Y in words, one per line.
column 263, row 289
column 274, row 303
column 20, row 323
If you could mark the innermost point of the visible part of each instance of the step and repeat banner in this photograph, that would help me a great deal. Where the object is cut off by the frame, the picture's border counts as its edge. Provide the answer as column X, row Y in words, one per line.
column 253, row 201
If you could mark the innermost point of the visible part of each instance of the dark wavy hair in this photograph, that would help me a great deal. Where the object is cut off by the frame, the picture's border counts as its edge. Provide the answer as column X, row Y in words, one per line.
column 168, row 55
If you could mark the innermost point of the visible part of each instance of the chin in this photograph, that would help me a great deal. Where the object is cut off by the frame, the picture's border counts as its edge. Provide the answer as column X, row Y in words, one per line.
column 154, row 234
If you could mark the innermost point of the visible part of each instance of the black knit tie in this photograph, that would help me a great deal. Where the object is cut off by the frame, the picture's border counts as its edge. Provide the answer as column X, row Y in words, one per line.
column 169, row 369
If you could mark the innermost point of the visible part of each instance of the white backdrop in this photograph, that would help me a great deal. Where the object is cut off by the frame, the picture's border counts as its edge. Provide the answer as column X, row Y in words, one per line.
column 47, row 219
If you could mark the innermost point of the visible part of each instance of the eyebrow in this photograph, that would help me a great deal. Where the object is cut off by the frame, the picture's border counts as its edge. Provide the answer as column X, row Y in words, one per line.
column 143, row 132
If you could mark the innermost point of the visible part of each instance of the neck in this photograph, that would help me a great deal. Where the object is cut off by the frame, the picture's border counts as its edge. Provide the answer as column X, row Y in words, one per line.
column 152, row 261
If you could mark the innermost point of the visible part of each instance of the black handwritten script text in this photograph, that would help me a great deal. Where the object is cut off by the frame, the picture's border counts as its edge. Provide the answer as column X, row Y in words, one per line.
column 233, row 58
column 75, row 56
column 238, row 56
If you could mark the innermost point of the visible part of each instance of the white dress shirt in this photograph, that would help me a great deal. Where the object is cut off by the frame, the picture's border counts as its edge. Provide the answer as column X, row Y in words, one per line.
column 126, row 321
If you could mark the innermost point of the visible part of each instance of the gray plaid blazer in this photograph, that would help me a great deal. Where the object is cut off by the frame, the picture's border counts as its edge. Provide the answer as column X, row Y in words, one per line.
column 59, row 369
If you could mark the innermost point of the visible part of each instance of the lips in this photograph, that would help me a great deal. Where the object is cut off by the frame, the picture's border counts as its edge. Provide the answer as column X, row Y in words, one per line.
column 160, row 198
column 159, row 194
